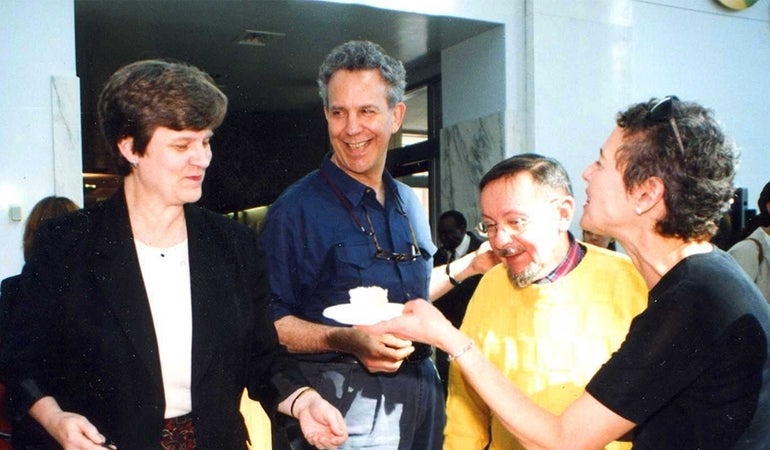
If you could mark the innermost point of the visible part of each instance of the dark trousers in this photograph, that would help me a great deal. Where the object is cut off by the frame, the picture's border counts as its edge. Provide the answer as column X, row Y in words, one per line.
column 403, row 410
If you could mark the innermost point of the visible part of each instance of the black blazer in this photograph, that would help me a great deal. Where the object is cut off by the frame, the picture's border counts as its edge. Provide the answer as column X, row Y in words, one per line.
column 83, row 332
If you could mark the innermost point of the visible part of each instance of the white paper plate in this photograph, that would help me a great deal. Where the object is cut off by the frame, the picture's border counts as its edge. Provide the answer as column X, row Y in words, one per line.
column 351, row 314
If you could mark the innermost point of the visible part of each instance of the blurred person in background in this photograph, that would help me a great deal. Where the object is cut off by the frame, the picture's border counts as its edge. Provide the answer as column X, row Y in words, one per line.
column 455, row 239
column 24, row 429
column 599, row 240
column 753, row 252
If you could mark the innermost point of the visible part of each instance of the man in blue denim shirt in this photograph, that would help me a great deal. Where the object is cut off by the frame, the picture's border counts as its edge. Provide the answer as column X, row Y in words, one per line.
column 346, row 225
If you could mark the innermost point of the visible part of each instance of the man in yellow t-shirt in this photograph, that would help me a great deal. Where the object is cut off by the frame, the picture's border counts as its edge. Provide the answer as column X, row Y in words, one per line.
column 551, row 313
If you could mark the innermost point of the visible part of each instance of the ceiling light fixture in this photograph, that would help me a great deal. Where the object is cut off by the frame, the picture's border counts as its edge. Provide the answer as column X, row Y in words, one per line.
column 258, row 38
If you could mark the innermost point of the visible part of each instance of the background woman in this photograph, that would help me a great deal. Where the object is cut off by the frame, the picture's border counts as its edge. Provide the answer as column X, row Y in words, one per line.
column 24, row 429
column 753, row 253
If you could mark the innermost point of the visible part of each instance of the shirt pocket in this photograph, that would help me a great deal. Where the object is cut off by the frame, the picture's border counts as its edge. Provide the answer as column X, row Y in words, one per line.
column 349, row 263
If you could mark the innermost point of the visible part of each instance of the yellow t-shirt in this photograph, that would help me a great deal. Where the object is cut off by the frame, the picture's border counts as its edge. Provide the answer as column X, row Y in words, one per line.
column 548, row 339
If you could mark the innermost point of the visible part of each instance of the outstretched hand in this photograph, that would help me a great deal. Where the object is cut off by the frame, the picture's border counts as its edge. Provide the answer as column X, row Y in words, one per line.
column 377, row 352
column 322, row 424
column 420, row 322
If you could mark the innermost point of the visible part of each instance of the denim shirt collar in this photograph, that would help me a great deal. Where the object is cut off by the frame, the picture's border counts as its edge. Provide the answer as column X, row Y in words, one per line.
column 353, row 190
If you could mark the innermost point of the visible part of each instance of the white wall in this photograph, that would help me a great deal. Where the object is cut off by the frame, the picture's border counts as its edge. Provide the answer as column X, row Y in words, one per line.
column 580, row 76
column 718, row 58
column 473, row 80
column 37, row 42
column 590, row 59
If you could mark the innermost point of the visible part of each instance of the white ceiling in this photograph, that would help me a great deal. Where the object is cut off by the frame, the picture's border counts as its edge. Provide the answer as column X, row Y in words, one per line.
column 275, row 80
column 279, row 76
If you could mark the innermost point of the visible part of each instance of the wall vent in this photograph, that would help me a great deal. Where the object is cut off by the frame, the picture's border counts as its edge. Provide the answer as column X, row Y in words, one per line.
column 258, row 38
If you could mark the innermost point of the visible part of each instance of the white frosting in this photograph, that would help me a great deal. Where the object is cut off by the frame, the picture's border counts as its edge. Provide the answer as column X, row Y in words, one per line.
column 368, row 295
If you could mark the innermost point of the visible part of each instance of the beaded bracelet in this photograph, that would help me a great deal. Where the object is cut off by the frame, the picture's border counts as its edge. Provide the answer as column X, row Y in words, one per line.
column 293, row 402
column 460, row 353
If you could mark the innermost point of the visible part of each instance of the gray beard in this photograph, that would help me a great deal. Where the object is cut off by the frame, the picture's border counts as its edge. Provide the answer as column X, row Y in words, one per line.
column 527, row 277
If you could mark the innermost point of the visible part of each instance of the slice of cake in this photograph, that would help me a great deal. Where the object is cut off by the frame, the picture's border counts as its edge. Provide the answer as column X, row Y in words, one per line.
column 368, row 296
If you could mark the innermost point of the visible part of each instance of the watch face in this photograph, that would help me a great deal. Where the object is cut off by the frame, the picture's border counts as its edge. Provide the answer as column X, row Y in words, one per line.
column 737, row 4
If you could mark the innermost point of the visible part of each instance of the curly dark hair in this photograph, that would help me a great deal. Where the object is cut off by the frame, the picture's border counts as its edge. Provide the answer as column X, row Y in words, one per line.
column 144, row 95
column 363, row 55
column 698, row 176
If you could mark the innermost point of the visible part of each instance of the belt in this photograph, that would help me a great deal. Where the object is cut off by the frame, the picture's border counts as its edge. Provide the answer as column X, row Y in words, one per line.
column 420, row 353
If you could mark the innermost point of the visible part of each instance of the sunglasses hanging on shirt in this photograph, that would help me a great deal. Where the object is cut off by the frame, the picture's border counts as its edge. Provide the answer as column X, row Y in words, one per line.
column 379, row 252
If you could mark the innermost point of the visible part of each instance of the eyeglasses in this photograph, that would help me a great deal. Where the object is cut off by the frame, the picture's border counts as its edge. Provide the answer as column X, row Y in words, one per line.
column 663, row 109
column 513, row 227
column 386, row 255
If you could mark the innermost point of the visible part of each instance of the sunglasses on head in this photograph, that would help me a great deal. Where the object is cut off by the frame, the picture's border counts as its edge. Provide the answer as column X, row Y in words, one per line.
column 662, row 110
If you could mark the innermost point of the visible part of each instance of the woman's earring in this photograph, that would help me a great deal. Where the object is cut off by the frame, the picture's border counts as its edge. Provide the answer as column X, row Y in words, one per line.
column 638, row 211
column 133, row 163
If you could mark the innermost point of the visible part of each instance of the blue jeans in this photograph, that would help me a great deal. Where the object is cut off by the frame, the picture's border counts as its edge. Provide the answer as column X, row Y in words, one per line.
column 403, row 410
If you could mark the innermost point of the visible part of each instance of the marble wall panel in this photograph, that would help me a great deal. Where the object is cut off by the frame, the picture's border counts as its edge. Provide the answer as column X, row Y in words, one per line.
column 67, row 141
column 468, row 150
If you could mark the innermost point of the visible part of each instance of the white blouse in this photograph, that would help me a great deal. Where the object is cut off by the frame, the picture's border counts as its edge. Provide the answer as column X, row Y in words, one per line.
column 166, row 273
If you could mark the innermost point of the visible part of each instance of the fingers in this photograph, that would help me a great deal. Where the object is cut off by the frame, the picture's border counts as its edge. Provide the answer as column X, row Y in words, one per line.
column 326, row 439
column 381, row 346
column 323, row 440
column 379, row 365
column 387, row 354
column 325, row 426
column 411, row 305
column 337, row 424
column 90, row 432
column 485, row 258
column 402, row 353
column 392, row 342
column 76, row 432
